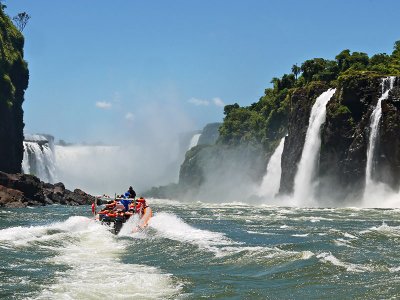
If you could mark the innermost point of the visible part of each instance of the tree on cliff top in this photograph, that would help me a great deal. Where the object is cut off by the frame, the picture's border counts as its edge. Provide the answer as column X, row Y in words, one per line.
column 21, row 20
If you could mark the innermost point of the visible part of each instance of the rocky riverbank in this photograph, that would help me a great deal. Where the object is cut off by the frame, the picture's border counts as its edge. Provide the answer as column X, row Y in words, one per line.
column 21, row 190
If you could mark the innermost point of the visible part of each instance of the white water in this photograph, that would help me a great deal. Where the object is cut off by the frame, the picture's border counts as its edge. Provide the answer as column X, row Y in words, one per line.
column 39, row 160
column 271, row 181
column 112, row 169
column 103, row 169
column 93, row 256
column 194, row 141
column 303, row 184
column 377, row 194
column 374, row 127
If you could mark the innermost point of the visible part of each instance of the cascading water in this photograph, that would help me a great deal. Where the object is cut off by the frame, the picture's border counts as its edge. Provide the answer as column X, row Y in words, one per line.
column 377, row 193
column 39, row 158
column 387, row 85
column 194, row 141
column 303, row 184
column 270, row 183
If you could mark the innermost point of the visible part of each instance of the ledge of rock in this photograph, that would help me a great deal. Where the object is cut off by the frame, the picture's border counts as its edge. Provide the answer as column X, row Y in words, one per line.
column 21, row 190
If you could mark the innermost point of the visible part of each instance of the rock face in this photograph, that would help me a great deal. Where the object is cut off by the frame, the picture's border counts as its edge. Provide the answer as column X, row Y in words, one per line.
column 209, row 134
column 21, row 190
column 388, row 152
column 14, row 78
column 345, row 135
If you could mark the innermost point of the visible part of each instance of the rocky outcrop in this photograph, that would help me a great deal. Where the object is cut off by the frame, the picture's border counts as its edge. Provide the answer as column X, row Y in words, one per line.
column 302, row 101
column 21, row 190
column 14, row 78
column 209, row 134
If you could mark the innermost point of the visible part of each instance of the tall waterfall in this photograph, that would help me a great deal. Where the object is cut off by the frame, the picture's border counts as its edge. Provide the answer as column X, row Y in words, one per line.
column 377, row 194
column 39, row 157
column 303, row 184
column 271, row 180
column 194, row 141
column 387, row 85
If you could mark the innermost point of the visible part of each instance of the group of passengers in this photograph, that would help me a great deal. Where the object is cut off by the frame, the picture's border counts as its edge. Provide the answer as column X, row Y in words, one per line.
column 126, row 204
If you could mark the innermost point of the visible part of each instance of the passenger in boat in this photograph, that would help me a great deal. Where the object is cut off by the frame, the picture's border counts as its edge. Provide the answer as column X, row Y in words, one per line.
column 125, row 202
column 132, row 193
column 141, row 205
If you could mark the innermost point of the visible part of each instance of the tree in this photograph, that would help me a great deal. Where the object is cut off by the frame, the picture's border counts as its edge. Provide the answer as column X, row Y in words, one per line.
column 396, row 49
column 229, row 108
column 296, row 70
column 21, row 20
column 312, row 67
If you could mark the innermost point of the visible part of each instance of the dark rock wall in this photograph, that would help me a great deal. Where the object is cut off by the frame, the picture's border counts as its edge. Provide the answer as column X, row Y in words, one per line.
column 14, row 78
column 388, row 152
column 345, row 136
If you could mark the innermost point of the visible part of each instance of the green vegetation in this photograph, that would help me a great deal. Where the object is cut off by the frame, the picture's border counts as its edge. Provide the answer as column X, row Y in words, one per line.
column 265, row 122
column 13, row 68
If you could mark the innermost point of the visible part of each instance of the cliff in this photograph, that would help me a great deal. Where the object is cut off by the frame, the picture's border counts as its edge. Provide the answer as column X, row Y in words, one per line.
column 14, row 78
column 341, row 170
column 345, row 137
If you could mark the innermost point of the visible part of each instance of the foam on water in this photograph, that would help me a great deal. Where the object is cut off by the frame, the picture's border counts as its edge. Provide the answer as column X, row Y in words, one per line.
column 92, row 255
column 327, row 257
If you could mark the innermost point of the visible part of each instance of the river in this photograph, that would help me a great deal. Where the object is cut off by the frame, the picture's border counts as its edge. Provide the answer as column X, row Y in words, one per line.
column 202, row 250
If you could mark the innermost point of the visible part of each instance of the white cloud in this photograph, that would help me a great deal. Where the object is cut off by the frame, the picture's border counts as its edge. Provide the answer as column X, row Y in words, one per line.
column 198, row 102
column 218, row 102
column 129, row 116
column 103, row 105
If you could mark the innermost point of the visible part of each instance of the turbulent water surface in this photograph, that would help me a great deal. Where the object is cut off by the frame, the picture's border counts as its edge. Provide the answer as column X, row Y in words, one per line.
column 199, row 250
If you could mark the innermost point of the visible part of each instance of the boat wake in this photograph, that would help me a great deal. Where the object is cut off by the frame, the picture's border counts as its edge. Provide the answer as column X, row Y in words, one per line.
column 84, row 254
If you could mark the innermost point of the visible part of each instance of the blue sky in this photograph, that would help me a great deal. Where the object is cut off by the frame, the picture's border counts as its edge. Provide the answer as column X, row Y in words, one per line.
column 114, row 70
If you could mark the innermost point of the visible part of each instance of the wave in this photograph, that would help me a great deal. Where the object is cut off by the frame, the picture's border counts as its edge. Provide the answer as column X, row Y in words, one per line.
column 327, row 257
column 172, row 227
column 384, row 229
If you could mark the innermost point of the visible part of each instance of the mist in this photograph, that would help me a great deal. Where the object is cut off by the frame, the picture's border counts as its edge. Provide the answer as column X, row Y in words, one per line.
column 227, row 174
column 142, row 151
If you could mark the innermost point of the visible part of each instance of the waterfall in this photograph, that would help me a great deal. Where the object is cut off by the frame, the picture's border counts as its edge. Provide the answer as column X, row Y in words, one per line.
column 271, row 180
column 303, row 189
column 194, row 140
column 374, row 126
column 39, row 159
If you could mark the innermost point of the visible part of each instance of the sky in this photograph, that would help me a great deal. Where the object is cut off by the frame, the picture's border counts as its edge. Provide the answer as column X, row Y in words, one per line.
column 110, row 71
